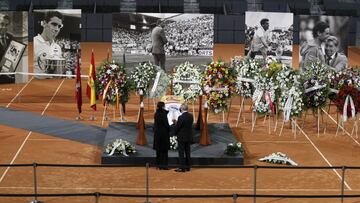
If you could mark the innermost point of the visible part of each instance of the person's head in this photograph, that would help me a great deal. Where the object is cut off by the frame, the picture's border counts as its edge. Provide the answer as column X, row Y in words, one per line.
column 184, row 107
column 331, row 45
column 160, row 22
column 4, row 23
column 264, row 23
column 160, row 105
column 52, row 23
column 321, row 31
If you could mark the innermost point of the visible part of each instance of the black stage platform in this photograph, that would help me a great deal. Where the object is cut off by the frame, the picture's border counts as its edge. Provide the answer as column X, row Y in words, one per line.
column 221, row 136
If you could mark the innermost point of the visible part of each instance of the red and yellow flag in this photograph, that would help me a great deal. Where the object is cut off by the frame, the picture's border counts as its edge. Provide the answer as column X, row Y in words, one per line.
column 90, row 90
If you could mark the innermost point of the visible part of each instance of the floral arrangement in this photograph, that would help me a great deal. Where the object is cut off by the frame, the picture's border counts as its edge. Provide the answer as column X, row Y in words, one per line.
column 338, row 79
column 187, row 79
column 142, row 75
column 316, row 92
column 271, row 67
column 349, row 98
column 218, row 85
column 315, row 85
column 160, row 84
column 287, row 77
column 278, row 158
column 316, row 68
column 291, row 93
column 264, row 95
column 121, row 147
column 173, row 143
column 291, row 102
column 246, row 70
column 233, row 149
column 113, row 76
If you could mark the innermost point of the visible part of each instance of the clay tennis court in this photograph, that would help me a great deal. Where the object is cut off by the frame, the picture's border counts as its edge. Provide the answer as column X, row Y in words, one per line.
column 55, row 98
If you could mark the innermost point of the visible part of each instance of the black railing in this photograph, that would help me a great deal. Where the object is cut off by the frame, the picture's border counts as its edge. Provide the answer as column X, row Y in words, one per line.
column 147, row 195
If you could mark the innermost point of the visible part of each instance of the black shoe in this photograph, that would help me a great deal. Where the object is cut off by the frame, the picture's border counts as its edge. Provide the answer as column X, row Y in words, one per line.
column 163, row 168
column 187, row 169
column 179, row 170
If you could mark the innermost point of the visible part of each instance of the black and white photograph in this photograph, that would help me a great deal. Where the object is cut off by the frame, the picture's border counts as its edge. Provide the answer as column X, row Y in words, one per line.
column 13, row 43
column 57, row 38
column 269, row 34
column 324, row 39
column 164, row 39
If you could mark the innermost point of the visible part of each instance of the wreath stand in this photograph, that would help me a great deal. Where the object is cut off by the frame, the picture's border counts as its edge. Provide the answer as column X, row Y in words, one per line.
column 317, row 120
column 141, row 139
column 200, row 121
column 204, row 135
column 140, row 119
column 240, row 111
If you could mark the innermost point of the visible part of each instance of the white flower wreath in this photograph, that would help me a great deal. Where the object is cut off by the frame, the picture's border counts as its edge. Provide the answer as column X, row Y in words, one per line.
column 291, row 102
column 287, row 77
column 120, row 146
column 246, row 70
column 142, row 75
column 187, row 80
column 264, row 95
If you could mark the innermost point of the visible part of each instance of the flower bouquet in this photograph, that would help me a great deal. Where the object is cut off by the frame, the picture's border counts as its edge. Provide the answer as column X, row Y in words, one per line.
column 111, row 81
column 218, row 85
column 315, row 85
column 264, row 95
column 338, row 79
column 348, row 101
column 173, row 143
column 142, row 76
column 234, row 149
column 316, row 92
column 278, row 158
column 187, row 80
column 121, row 147
column 160, row 84
column 246, row 70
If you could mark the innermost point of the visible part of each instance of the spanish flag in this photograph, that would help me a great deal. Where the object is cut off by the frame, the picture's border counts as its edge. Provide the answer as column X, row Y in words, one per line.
column 90, row 90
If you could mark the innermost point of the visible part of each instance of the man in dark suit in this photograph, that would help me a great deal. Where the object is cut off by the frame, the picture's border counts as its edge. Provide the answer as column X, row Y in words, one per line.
column 333, row 58
column 184, row 133
column 5, row 39
column 158, row 40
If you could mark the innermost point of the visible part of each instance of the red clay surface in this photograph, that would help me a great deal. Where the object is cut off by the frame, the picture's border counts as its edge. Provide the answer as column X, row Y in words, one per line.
column 56, row 97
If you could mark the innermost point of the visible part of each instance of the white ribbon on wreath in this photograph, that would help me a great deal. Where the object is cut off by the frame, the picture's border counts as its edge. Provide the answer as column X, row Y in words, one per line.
column 156, row 82
column 288, row 105
column 316, row 87
column 352, row 105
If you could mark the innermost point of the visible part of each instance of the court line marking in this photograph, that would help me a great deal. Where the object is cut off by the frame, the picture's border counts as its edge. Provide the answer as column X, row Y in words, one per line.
column 322, row 155
column 184, row 189
column 347, row 133
column 17, row 153
column 13, row 99
column 53, row 96
column 27, row 137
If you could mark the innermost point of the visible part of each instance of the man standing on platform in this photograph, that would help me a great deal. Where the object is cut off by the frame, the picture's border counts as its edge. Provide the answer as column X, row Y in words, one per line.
column 183, row 131
column 158, row 40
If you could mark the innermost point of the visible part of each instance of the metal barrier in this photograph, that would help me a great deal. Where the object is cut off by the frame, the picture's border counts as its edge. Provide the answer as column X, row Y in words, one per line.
column 147, row 195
